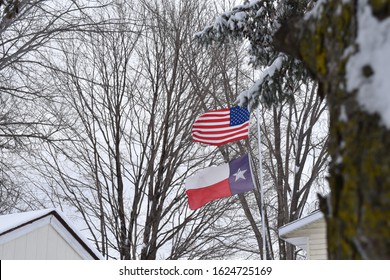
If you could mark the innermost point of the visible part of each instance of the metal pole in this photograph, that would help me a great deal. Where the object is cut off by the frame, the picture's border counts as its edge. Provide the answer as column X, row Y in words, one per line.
column 261, row 184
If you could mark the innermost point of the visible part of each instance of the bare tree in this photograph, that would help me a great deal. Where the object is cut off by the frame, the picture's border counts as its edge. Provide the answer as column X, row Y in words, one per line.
column 28, row 28
column 295, row 160
column 130, row 100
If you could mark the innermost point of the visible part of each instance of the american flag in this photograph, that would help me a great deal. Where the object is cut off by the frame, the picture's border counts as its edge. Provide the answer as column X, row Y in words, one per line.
column 220, row 127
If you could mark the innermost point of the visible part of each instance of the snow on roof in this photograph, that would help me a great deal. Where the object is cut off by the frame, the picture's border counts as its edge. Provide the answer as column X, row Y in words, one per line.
column 12, row 222
column 300, row 223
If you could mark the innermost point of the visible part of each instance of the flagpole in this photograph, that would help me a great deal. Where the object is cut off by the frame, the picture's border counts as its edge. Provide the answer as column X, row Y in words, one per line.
column 261, row 184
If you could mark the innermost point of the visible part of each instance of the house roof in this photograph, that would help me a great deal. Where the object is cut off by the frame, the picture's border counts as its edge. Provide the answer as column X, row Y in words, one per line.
column 300, row 223
column 15, row 223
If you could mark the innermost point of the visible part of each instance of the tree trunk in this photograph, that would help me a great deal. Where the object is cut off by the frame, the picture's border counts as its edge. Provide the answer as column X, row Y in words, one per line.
column 358, row 214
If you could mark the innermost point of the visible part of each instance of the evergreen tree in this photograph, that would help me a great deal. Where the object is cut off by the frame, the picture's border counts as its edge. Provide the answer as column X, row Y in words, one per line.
column 257, row 22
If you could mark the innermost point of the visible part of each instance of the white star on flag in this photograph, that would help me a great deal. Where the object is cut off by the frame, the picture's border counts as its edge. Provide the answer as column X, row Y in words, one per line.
column 239, row 174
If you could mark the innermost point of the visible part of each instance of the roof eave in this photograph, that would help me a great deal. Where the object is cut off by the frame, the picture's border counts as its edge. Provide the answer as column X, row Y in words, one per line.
column 287, row 229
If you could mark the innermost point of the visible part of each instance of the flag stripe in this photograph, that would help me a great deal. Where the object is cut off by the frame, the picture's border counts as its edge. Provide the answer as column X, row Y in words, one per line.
column 203, row 177
column 221, row 131
column 220, row 139
column 212, row 117
column 199, row 197
column 208, row 128
column 217, row 138
column 206, row 117
column 211, row 124
column 223, row 142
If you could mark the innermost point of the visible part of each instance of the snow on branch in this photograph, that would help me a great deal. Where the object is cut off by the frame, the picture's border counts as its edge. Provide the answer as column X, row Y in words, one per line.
column 234, row 23
column 249, row 95
column 257, row 22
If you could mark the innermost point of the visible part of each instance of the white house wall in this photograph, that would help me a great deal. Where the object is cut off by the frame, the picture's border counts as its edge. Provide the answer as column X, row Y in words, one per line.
column 315, row 234
column 317, row 241
column 41, row 243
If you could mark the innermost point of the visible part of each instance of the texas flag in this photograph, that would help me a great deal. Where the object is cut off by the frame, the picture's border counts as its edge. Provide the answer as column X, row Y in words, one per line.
column 219, row 181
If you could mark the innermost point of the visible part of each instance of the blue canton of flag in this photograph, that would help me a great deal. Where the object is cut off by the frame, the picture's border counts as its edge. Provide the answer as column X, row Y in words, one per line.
column 238, row 115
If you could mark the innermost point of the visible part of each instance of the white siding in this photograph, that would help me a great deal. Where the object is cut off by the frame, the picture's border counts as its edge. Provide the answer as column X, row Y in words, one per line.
column 315, row 234
column 41, row 243
column 317, row 241
column 8, row 252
